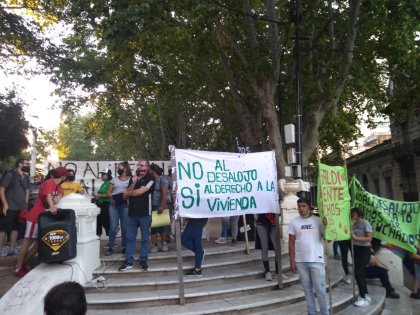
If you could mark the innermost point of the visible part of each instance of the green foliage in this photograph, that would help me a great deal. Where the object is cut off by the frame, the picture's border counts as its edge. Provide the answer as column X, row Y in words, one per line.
column 197, row 74
column 13, row 126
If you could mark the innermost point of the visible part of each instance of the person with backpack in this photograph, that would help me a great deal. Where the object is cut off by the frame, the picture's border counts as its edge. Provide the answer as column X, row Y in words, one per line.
column 14, row 195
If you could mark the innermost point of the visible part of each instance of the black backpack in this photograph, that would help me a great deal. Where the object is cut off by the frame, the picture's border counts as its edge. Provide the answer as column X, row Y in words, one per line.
column 13, row 180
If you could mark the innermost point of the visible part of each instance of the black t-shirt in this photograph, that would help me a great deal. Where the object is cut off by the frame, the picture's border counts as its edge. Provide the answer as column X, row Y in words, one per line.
column 140, row 205
column 198, row 221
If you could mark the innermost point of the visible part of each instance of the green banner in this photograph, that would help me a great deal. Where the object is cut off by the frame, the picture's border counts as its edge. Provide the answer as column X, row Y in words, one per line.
column 334, row 201
column 395, row 222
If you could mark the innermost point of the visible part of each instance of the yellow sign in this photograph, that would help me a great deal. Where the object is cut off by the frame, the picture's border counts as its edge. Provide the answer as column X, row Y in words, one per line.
column 55, row 239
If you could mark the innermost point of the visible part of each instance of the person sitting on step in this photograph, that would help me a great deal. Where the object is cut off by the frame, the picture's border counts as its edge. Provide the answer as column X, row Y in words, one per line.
column 377, row 269
column 415, row 258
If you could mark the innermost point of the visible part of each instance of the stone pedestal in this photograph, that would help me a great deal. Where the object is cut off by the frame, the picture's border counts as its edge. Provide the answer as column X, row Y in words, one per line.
column 288, row 205
column 27, row 295
column 88, row 243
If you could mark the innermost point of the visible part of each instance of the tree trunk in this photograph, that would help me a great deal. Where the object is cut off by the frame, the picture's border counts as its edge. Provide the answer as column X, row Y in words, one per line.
column 266, row 93
column 310, row 138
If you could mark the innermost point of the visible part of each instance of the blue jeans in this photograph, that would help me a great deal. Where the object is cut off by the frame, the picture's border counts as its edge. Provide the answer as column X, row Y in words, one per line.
column 335, row 248
column 417, row 271
column 312, row 276
column 232, row 223
column 133, row 223
column 191, row 239
column 118, row 214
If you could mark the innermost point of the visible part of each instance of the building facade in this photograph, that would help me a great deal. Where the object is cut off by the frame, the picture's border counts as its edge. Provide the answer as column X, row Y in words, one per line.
column 391, row 169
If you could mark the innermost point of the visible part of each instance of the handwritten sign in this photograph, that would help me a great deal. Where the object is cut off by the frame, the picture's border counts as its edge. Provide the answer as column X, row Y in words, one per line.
column 395, row 222
column 220, row 184
column 334, row 201
column 87, row 172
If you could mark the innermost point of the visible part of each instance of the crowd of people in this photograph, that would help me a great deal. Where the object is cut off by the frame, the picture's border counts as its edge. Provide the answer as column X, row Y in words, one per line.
column 127, row 201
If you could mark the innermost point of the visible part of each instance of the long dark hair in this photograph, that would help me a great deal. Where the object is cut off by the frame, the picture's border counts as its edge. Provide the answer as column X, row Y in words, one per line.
column 155, row 168
column 127, row 168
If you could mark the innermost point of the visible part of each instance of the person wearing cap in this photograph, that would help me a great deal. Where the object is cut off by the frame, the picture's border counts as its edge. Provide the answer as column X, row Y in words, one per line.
column 306, row 254
column 103, row 200
column 50, row 193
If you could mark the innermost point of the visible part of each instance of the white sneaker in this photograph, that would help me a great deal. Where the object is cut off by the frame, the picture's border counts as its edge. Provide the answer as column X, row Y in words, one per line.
column 4, row 251
column 153, row 249
column 361, row 302
column 347, row 279
column 164, row 247
column 221, row 240
column 368, row 298
column 268, row 276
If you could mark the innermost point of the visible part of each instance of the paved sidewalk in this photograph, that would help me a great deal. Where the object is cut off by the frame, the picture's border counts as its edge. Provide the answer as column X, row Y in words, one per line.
column 7, row 279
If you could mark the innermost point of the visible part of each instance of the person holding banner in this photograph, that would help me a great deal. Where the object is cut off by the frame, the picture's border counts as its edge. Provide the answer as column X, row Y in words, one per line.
column 306, row 254
column 191, row 238
column 345, row 248
column 266, row 239
column 361, row 237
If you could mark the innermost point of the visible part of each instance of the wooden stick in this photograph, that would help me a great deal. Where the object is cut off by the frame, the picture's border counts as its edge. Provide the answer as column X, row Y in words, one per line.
column 177, row 231
column 329, row 283
column 278, row 255
column 246, row 234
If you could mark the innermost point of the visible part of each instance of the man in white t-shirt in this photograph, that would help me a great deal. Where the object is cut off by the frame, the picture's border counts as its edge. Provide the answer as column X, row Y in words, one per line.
column 306, row 253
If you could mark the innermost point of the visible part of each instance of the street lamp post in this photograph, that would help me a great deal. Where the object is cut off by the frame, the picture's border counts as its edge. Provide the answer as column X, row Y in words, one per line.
column 296, row 17
column 34, row 152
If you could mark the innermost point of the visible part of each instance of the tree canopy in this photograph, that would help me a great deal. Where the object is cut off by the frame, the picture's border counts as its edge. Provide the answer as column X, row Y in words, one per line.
column 209, row 74
column 13, row 126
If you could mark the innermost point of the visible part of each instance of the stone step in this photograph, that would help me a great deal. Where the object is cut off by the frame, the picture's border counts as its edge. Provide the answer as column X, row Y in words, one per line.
column 161, row 266
column 377, row 293
column 236, row 297
column 211, row 276
column 342, row 303
column 204, row 292
column 170, row 256
column 232, row 283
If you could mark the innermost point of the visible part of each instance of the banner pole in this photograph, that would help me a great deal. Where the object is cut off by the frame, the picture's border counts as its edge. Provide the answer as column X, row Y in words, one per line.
column 328, row 270
column 177, row 230
column 246, row 234
column 351, row 192
column 278, row 255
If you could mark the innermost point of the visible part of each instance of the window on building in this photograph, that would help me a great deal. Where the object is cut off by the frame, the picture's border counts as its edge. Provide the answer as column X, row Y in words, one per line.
column 389, row 192
column 365, row 182
column 377, row 187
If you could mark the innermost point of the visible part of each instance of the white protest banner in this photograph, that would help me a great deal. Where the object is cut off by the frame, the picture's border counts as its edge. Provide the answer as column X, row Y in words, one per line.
column 220, row 184
column 87, row 172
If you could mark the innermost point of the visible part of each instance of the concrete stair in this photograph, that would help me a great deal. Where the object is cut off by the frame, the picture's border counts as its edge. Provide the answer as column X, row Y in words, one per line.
column 232, row 283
